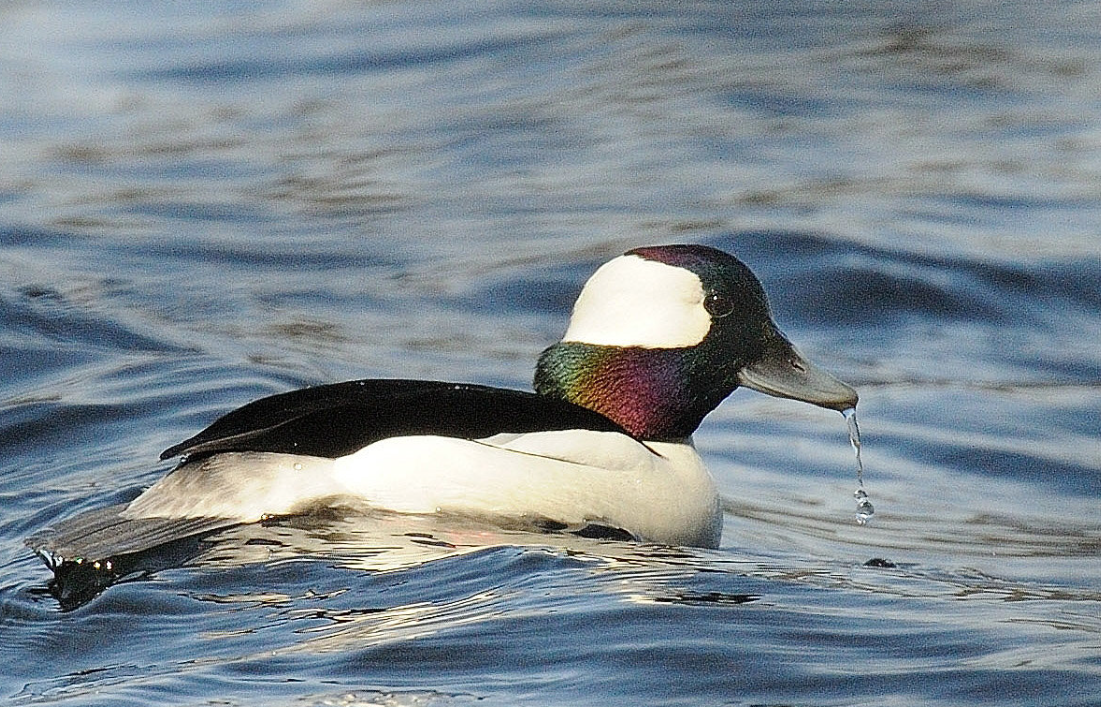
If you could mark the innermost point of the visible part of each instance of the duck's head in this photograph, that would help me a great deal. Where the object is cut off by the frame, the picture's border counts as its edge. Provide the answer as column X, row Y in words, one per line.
column 661, row 335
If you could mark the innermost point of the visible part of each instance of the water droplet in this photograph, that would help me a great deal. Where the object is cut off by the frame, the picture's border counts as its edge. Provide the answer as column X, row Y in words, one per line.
column 864, row 508
column 854, row 440
column 297, row 466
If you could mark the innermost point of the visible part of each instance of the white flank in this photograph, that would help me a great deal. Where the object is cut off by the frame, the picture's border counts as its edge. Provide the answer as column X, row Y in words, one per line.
column 659, row 491
column 631, row 301
column 244, row 486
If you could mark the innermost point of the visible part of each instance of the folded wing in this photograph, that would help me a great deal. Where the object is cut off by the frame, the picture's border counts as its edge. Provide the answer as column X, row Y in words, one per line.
column 336, row 420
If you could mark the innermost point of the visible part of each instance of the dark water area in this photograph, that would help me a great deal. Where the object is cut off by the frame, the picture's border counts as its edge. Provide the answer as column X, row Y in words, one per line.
column 201, row 205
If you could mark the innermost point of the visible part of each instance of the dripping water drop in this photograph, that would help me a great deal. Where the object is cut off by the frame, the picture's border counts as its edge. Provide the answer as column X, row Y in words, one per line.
column 864, row 508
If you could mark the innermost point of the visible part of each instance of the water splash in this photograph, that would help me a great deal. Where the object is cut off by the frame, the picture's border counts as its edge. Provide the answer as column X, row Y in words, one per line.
column 864, row 508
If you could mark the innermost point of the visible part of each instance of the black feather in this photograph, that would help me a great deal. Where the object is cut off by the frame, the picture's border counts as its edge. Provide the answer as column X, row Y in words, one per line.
column 104, row 533
column 338, row 419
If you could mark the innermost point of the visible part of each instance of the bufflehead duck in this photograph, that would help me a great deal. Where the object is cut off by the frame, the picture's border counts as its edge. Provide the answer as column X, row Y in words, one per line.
column 658, row 338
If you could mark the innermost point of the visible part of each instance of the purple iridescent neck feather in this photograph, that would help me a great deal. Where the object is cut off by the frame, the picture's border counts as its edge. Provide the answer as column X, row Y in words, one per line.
column 643, row 390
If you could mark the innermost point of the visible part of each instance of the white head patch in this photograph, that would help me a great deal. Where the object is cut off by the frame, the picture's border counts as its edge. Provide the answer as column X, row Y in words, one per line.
column 632, row 301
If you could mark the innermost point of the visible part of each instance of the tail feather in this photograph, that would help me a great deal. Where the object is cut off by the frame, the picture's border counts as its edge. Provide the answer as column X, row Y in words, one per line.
column 100, row 535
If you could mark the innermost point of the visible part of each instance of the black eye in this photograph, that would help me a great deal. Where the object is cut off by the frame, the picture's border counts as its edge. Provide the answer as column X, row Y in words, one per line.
column 718, row 305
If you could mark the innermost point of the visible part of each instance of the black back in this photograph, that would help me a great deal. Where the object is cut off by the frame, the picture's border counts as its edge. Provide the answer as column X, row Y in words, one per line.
column 335, row 420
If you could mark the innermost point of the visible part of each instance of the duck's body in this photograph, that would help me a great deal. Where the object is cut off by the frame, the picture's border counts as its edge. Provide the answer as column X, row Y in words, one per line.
column 658, row 490
column 438, row 447
column 658, row 338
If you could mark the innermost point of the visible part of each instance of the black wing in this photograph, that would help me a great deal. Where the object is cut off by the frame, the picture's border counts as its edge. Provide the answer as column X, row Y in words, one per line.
column 335, row 420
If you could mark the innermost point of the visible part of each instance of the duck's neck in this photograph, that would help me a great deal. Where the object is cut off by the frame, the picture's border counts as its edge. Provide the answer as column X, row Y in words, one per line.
column 649, row 392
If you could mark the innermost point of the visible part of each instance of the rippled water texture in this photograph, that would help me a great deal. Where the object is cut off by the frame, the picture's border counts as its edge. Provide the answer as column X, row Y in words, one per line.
column 204, row 203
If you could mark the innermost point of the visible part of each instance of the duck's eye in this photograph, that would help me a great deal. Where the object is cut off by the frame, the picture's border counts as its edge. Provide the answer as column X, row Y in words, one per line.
column 718, row 305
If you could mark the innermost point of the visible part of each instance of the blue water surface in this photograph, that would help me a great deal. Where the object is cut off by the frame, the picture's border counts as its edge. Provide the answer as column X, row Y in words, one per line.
column 201, row 204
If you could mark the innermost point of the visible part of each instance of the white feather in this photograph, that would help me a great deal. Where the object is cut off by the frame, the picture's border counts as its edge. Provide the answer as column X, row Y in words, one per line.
column 243, row 486
column 658, row 491
column 631, row 301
